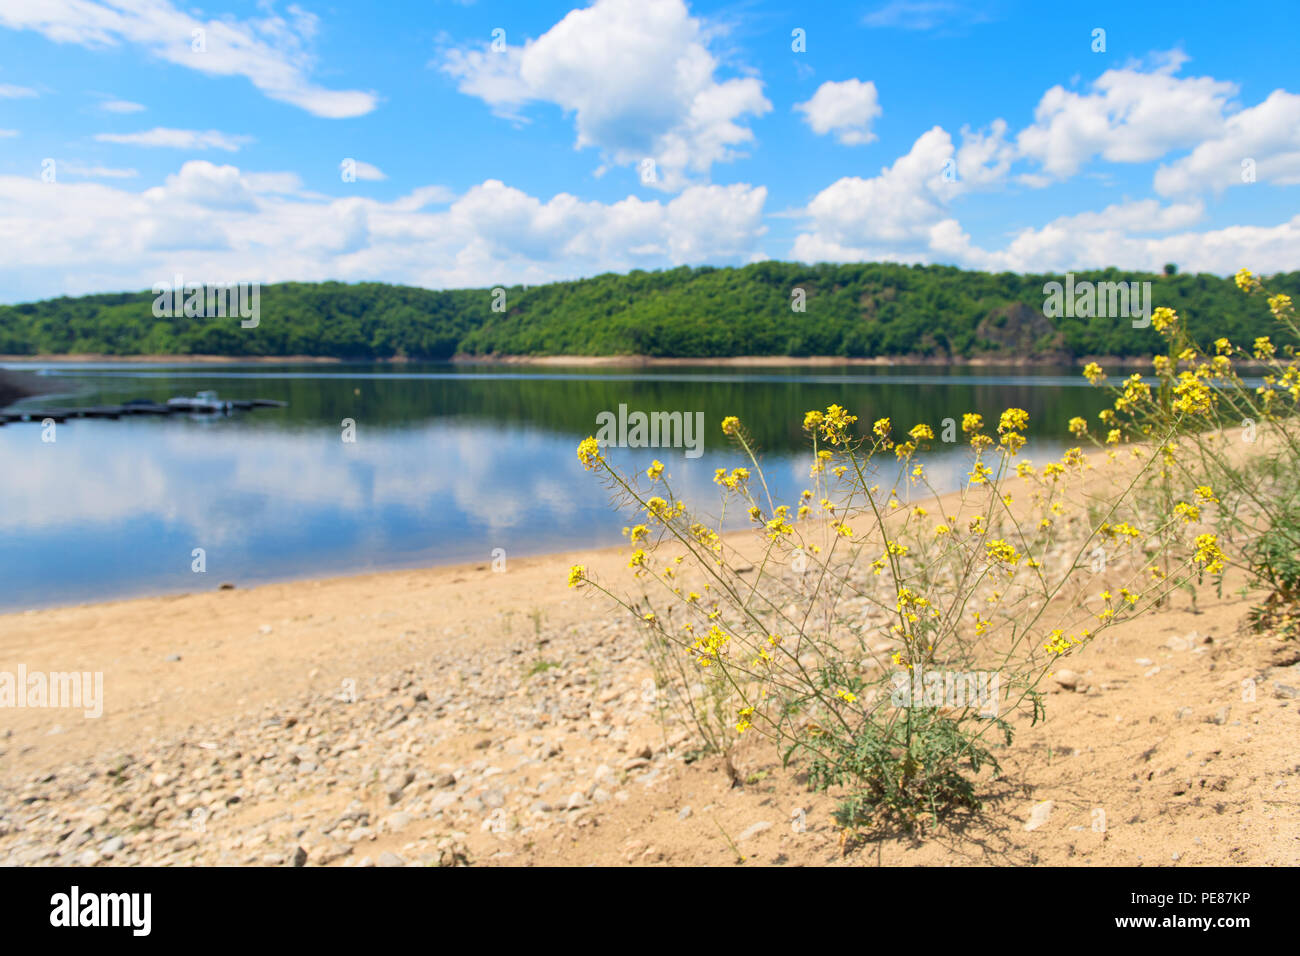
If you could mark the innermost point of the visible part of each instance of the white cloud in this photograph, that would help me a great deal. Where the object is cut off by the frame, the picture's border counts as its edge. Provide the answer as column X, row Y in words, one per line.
column 1267, row 134
column 847, row 109
column 120, row 106
column 9, row 92
column 95, row 172
column 1117, row 237
column 639, row 79
column 984, row 157
column 1130, row 116
column 898, row 215
column 204, row 184
column 898, row 207
column 177, row 139
column 270, row 52
column 218, row 223
column 8, row 133
column 1140, row 235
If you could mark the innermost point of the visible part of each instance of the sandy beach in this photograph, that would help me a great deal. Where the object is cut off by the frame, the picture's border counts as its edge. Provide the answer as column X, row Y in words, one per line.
column 459, row 714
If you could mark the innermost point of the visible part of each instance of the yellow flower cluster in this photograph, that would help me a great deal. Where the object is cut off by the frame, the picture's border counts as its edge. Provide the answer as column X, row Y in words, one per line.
column 589, row 453
column 1002, row 552
column 1208, row 553
column 733, row 481
column 710, row 647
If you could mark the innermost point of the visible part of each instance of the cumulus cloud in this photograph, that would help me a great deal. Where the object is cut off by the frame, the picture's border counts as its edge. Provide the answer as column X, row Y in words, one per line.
column 1120, row 236
column 899, row 214
column 638, row 78
column 1258, row 144
column 1128, row 116
column 271, row 52
column 846, row 109
column 886, row 214
column 162, row 137
column 219, row 223
column 1143, row 234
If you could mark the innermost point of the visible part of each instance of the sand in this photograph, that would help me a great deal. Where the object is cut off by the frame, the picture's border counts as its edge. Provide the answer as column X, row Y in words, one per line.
column 1159, row 761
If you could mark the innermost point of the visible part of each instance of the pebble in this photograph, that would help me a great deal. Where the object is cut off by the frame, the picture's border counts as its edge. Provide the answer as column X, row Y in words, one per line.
column 753, row 830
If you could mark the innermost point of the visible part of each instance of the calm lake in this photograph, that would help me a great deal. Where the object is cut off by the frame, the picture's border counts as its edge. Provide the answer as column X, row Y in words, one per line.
column 449, row 463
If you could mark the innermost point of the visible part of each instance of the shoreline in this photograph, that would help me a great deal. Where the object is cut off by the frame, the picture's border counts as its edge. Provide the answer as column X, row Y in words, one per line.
column 387, row 717
column 633, row 361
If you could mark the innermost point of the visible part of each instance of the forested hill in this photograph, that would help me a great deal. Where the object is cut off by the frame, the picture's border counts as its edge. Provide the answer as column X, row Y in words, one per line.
column 849, row 310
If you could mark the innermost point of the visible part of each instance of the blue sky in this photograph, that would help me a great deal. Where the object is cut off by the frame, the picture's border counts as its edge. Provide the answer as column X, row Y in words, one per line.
column 133, row 149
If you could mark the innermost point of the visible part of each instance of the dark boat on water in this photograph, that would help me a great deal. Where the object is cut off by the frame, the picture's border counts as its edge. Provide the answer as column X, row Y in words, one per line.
column 203, row 404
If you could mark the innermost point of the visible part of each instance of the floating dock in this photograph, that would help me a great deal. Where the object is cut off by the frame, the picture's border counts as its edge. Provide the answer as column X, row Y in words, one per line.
column 205, row 403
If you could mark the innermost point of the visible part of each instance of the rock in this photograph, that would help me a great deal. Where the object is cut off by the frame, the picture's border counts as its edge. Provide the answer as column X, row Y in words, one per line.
column 299, row 857
column 390, row 859
column 1039, row 814
column 397, row 821
column 492, row 799
column 442, row 801
column 95, row 817
column 225, row 586
column 112, row 846
column 452, row 853
column 172, row 658
column 640, row 751
column 332, row 851
column 753, row 830
column 1067, row 679
column 1285, row 691
column 684, row 813
column 442, row 781
column 576, row 801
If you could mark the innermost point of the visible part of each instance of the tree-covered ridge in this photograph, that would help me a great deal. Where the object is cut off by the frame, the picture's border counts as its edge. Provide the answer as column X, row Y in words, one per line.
column 856, row 310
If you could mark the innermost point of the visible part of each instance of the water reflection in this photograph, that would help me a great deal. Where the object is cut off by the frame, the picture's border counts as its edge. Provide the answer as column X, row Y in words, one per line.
column 449, row 463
